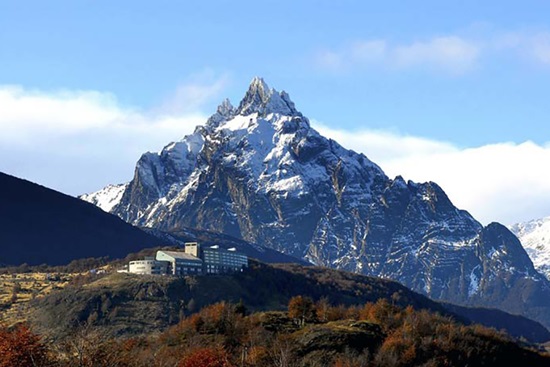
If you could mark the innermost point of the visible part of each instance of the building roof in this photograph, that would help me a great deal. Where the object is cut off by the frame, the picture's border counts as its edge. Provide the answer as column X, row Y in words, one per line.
column 180, row 255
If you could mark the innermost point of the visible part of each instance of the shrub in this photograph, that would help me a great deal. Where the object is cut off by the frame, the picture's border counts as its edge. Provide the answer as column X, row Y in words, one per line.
column 206, row 357
column 21, row 348
column 301, row 309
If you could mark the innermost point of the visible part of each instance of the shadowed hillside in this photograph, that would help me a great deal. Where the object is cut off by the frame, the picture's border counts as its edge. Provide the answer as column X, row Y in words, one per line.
column 40, row 225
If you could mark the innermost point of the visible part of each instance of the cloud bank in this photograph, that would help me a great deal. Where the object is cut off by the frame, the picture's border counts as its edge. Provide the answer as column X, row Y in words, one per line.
column 79, row 141
column 506, row 182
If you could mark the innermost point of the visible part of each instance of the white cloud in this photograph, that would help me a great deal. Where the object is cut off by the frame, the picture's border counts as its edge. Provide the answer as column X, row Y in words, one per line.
column 328, row 59
column 369, row 51
column 77, row 141
column 195, row 92
column 505, row 182
column 386, row 145
column 541, row 48
column 531, row 46
column 450, row 54
column 28, row 112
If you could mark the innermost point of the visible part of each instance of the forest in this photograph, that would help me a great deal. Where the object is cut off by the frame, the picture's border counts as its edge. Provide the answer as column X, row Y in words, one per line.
column 308, row 333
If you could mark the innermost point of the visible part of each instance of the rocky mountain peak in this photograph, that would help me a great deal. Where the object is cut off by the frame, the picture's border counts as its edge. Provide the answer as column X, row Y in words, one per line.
column 259, row 172
column 503, row 245
column 262, row 99
column 225, row 111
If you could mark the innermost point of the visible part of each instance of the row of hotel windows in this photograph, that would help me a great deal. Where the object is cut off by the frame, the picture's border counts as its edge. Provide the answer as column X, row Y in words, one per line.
column 191, row 269
column 227, row 262
column 230, row 257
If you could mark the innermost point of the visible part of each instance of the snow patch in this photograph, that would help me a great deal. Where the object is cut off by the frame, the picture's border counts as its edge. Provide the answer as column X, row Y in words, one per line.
column 106, row 198
column 474, row 282
column 535, row 238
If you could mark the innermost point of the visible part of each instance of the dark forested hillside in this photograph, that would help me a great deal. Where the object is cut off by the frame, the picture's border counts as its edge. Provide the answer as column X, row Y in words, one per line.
column 39, row 225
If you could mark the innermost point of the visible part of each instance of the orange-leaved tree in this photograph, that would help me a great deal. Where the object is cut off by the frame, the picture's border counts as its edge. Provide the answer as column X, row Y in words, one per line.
column 206, row 357
column 302, row 309
column 21, row 348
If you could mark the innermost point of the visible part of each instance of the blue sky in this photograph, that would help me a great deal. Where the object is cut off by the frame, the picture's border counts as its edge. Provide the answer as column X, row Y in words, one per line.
column 86, row 86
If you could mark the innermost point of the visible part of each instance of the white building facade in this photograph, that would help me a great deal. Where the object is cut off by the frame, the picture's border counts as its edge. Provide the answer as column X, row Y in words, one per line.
column 196, row 260
column 148, row 266
column 181, row 263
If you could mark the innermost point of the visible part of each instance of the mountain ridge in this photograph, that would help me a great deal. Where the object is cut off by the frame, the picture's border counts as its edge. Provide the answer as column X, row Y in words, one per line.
column 262, row 173
column 43, row 226
column 534, row 235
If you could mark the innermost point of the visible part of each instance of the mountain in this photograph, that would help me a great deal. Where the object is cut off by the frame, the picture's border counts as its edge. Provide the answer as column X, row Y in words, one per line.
column 260, row 172
column 180, row 236
column 535, row 237
column 43, row 226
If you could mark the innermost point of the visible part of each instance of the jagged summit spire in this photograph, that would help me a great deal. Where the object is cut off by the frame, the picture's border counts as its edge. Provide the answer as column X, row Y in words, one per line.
column 225, row 108
column 259, row 83
column 264, row 100
column 260, row 99
column 225, row 111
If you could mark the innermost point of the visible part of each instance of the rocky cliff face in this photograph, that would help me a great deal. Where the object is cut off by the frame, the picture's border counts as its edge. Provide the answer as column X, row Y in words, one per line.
column 261, row 173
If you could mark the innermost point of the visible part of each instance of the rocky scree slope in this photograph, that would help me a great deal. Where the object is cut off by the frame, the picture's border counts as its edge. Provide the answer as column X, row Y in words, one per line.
column 260, row 172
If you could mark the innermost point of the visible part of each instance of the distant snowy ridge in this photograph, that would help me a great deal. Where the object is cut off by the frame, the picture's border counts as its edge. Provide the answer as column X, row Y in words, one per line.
column 106, row 198
column 534, row 235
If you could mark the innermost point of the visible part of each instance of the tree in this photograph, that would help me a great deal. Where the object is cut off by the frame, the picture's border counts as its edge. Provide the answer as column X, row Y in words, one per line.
column 323, row 307
column 281, row 351
column 15, row 292
column 21, row 348
column 240, row 308
column 191, row 305
column 191, row 282
column 88, row 347
column 206, row 357
column 301, row 309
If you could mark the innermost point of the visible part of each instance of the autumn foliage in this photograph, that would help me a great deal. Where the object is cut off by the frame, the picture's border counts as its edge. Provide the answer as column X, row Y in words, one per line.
column 21, row 348
column 206, row 357
column 309, row 334
column 302, row 309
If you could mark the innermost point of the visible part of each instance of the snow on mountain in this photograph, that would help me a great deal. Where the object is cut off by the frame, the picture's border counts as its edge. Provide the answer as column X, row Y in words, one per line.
column 106, row 198
column 259, row 172
column 535, row 237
